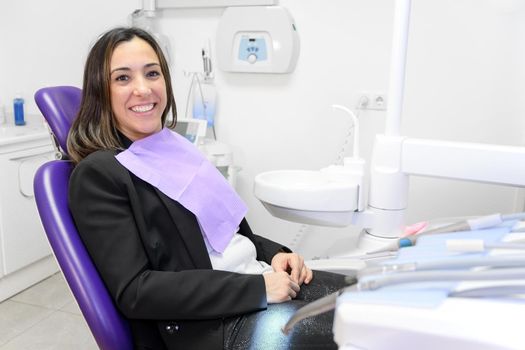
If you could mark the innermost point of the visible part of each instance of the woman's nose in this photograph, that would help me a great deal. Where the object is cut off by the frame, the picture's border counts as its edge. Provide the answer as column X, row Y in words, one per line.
column 141, row 88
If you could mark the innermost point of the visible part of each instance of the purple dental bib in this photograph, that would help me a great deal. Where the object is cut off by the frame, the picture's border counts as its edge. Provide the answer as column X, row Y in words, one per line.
column 178, row 169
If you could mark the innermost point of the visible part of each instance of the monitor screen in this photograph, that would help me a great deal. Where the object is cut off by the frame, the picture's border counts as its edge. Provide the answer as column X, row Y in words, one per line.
column 191, row 129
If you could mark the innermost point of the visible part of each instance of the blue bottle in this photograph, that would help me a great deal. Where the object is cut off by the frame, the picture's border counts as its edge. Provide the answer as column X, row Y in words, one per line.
column 18, row 106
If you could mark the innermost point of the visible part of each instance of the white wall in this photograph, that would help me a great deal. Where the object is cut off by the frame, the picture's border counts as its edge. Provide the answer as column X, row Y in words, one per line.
column 465, row 81
column 45, row 43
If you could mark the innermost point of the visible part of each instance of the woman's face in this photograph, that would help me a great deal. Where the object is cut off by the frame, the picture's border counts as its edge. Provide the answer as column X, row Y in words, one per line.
column 137, row 89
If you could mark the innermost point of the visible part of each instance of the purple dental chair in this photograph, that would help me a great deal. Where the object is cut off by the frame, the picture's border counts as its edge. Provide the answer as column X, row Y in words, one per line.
column 59, row 106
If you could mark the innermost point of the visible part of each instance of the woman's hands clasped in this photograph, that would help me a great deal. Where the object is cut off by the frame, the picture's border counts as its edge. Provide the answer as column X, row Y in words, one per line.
column 289, row 273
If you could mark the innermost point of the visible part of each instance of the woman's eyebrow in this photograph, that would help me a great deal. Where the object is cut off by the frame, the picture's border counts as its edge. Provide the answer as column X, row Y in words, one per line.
column 120, row 68
column 152, row 64
column 147, row 65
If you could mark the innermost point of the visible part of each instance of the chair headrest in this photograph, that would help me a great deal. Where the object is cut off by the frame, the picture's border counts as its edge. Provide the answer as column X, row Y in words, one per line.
column 59, row 106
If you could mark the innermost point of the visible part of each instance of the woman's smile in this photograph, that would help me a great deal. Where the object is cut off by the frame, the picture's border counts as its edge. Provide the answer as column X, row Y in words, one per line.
column 143, row 108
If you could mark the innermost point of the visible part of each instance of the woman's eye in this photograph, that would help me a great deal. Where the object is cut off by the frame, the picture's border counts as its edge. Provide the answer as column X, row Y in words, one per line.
column 153, row 74
column 122, row 78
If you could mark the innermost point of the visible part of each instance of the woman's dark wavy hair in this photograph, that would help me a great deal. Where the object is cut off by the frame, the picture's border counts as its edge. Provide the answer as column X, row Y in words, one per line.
column 94, row 127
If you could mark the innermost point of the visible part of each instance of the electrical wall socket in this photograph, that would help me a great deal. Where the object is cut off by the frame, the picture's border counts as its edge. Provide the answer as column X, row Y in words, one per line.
column 372, row 100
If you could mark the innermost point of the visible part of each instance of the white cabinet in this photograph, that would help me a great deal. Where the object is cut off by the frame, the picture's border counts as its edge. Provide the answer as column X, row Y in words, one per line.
column 25, row 255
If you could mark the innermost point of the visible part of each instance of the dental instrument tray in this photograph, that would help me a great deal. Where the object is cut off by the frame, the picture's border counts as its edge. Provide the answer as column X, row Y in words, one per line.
column 474, row 314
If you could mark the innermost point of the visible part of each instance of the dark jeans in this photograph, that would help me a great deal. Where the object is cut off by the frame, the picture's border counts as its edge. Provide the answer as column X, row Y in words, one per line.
column 262, row 330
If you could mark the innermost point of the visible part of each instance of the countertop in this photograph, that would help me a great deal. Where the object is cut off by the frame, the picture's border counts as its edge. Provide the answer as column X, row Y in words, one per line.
column 10, row 133
column 33, row 134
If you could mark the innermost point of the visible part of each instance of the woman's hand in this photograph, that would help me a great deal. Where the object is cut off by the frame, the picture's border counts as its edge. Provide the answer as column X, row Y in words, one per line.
column 279, row 287
column 293, row 264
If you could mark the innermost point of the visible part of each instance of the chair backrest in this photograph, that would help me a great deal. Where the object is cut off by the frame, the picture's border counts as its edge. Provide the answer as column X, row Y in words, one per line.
column 59, row 106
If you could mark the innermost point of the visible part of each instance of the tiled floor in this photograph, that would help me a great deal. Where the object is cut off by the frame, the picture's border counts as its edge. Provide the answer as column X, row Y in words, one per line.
column 44, row 317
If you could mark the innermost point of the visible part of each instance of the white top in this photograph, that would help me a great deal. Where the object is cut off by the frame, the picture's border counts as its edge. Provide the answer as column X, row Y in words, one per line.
column 239, row 256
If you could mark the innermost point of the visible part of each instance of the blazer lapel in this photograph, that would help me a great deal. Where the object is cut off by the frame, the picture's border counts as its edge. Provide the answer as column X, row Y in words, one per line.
column 190, row 231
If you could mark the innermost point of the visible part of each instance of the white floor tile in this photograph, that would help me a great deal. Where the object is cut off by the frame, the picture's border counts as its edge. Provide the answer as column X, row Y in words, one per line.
column 16, row 317
column 72, row 307
column 59, row 331
column 51, row 293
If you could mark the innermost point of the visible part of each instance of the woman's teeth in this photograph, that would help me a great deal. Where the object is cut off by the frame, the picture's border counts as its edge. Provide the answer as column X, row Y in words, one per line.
column 144, row 108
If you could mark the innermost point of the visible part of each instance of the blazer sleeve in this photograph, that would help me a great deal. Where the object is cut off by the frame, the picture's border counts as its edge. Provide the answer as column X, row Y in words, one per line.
column 99, row 200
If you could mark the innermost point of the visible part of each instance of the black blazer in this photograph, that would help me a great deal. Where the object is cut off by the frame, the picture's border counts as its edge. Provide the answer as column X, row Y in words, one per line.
column 151, row 255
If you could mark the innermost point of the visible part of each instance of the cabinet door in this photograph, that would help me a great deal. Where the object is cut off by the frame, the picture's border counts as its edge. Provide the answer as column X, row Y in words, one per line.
column 22, row 236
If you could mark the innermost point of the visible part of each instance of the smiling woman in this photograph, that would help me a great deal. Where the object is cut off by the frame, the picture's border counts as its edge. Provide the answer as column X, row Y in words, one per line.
column 165, row 229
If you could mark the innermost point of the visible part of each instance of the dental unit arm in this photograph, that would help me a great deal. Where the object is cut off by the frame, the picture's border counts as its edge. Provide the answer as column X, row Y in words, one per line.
column 394, row 159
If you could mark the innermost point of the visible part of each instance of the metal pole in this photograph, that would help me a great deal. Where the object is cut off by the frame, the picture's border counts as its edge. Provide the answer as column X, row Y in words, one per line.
column 396, row 83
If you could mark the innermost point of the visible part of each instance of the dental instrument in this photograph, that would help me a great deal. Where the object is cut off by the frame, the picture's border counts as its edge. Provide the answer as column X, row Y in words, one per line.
column 368, row 266
column 329, row 302
column 458, row 262
column 370, row 284
column 204, row 92
column 479, row 223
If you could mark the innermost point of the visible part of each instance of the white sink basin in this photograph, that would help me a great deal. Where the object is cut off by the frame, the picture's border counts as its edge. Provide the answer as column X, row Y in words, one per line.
column 313, row 197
